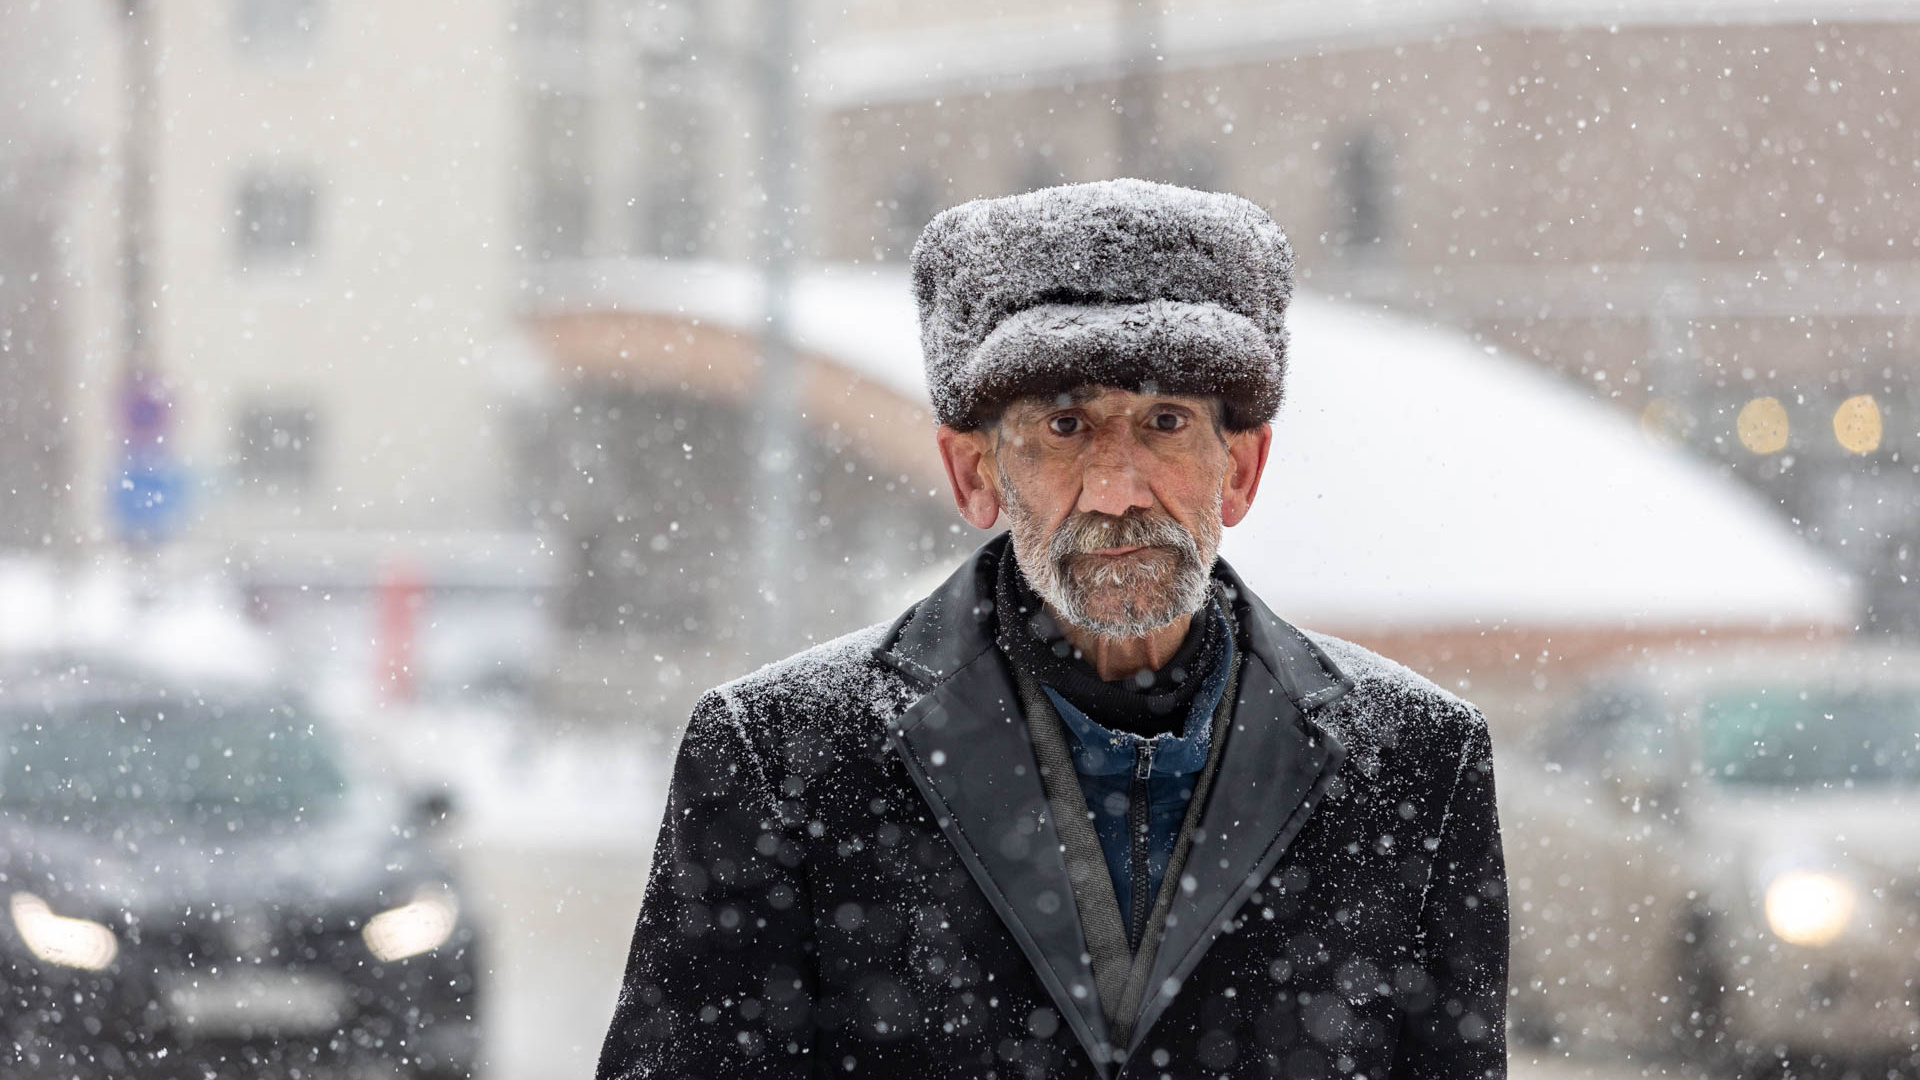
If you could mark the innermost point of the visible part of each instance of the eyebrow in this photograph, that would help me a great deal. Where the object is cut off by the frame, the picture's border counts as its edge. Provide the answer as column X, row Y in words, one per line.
column 1082, row 394
column 1037, row 403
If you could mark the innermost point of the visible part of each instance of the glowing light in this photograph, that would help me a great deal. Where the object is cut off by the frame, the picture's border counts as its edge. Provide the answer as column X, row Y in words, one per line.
column 418, row 926
column 1807, row 907
column 1856, row 424
column 57, row 939
column 1762, row 425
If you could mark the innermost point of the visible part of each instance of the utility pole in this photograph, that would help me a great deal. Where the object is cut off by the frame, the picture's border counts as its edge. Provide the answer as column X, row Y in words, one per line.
column 146, row 490
column 1136, row 140
column 776, row 404
column 136, row 186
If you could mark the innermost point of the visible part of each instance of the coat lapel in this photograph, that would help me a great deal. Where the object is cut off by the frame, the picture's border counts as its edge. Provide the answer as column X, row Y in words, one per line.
column 1274, row 768
column 966, row 745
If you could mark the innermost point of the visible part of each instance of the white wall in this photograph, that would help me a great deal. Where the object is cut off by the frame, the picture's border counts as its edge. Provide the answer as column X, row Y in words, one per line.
column 402, row 114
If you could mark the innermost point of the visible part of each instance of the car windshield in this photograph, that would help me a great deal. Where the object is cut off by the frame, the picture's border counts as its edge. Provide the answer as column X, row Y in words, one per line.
column 236, row 760
column 1789, row 737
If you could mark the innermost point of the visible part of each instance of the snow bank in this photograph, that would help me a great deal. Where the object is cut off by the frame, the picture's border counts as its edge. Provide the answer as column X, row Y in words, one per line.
column 195, row 627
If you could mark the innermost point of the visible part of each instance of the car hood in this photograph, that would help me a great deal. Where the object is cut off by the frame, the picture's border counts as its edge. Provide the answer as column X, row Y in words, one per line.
column 351, row 857
column 1868, row 828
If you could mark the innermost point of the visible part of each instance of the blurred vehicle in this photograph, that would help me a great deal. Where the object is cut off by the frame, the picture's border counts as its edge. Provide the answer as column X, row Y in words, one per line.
column 199, row 880
column 1714, row 855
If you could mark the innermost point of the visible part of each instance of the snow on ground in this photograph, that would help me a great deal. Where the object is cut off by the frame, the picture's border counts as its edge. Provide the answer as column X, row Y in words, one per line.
column 193, row 627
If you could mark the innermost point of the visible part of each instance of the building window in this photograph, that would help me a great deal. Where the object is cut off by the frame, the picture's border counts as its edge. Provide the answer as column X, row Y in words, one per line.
column 275, row 449
column 275, row 214
column 269, row 25
column 676, row 213
column 560, row 183
column 1363, row 193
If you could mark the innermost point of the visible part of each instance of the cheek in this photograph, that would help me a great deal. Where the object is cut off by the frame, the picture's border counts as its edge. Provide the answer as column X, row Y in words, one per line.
column 1043, row 480
column 1187, row 487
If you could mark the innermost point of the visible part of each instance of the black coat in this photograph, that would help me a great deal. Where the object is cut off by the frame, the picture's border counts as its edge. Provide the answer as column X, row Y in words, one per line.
column 857, row 876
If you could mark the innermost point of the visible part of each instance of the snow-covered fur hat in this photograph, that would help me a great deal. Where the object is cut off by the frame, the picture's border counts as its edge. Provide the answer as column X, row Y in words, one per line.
column 1120, row 283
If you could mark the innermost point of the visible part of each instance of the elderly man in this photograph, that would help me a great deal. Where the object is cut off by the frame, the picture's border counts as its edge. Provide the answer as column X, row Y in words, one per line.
column 1090, row 809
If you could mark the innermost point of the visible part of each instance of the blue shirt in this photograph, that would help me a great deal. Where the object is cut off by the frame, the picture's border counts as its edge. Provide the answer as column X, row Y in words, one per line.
column 1108, row 760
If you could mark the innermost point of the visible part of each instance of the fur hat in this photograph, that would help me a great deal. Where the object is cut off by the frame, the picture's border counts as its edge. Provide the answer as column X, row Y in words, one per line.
column 1122, row 283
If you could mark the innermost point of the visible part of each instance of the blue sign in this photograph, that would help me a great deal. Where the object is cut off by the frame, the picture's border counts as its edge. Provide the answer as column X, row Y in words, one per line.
column 147, row 488
column 147, row 500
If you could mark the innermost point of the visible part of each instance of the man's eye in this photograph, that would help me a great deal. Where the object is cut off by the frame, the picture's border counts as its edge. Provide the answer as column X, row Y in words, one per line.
column 1167, row 421
column 1064, row 425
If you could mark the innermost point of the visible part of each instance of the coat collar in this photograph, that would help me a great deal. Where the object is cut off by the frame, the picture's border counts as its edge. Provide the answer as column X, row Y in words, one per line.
column 953, row 626
column 966, row 746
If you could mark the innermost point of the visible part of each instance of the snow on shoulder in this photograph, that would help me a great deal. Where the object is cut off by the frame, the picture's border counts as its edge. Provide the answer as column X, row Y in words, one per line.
column 1384, row 692
column 819, row 683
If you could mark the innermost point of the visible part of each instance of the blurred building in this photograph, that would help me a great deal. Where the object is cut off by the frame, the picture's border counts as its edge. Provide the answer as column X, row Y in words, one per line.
column 642, row 177
column 332, row 224
column 640, row 459
column 637, row 128
column 376, row 389
column 271, row 328
column 1704, row 212
column 45, row 154
column 426, row 297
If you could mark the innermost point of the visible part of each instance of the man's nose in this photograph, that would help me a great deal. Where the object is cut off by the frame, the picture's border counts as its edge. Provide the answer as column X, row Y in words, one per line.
column 1112, row 484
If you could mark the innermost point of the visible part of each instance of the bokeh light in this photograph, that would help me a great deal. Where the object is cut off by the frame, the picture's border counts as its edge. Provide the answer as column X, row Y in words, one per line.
column 1762, row 425
column 1856, row 424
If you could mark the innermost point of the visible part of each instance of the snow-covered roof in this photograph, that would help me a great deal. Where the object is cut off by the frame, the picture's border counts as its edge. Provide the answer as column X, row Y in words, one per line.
column 1417, row 479
column 861, row 316
column 1421, row 478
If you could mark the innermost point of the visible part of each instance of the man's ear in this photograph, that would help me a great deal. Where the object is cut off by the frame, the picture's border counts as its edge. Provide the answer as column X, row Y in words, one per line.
column 1247, row 460
column 968, row 457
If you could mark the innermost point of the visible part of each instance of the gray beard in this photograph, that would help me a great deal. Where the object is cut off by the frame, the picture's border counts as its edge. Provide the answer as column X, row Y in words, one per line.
column 1115, row 600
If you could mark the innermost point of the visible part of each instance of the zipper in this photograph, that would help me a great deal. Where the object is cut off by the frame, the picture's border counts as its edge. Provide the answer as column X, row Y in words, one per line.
column 1139, row 829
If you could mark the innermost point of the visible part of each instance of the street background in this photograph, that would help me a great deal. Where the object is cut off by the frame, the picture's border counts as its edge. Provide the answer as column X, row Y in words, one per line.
column 499, row 375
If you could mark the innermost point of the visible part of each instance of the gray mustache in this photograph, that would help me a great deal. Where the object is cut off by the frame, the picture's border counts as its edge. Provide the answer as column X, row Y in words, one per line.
column 1089, row 532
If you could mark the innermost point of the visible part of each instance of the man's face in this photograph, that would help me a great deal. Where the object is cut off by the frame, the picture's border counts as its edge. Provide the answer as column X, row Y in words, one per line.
column 1114, row 500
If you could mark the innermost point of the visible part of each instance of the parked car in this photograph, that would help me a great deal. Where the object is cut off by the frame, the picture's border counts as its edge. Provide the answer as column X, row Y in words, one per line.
column 1715, row 855
column 199, row 879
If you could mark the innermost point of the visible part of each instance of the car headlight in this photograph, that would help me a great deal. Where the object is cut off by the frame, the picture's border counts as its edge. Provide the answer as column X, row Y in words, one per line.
column 57, row 939
column 1809, row 907
column 419, row 925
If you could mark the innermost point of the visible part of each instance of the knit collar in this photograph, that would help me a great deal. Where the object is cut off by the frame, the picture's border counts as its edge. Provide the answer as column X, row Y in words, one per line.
column 1098, row 750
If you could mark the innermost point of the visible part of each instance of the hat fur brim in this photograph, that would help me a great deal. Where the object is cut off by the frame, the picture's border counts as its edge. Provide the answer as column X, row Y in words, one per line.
column 1166, row 346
